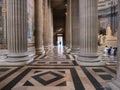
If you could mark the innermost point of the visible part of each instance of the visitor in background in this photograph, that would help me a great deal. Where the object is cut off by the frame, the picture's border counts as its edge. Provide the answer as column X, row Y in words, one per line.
column 60, row 43
column 109, row 50
column 115, row 51
column 106, row 50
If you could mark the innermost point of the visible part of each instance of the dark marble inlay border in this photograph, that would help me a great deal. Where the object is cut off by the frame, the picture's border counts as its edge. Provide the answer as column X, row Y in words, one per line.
column 52, row 62
column 67, row 56
column 62, row 84
column 77, row 83
column 65, row 63
column 4, row 69
column 36, row 56
column 113, row 71
column 106, row 77
column 98, row 70
column 10, row 73
column 27, row 83
column 11, row 84
column 62, row 72
column 76, row 80
column 41, row 62
column 37, row 71
column 95, row 83
column 44, row 82
column 75, row 63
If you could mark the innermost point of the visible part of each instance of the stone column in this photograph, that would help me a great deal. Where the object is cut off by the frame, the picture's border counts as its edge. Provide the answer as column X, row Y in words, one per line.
column 88, row 30
column 45, row 27
column 68, row 25
column 50, row 25
column 17, row 26
column 115, row 84
column 75, row 25
column 39, row 27
column 4, row 14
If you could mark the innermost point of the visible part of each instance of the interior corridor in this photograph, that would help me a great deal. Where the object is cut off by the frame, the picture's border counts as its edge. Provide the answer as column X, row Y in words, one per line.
column 59, row 44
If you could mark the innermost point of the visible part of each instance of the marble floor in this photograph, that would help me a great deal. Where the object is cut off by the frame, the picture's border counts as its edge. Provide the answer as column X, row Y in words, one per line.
column 55, row 71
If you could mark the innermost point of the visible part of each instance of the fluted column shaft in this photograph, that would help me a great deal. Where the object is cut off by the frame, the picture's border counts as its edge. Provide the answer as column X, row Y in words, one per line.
column 4, row 14
column 50, row 31
column 45, row 27
column 68, row 25
column 48, row 28
column 88, row 27
column 75, row 25
column 17, row 27
column 39, row 26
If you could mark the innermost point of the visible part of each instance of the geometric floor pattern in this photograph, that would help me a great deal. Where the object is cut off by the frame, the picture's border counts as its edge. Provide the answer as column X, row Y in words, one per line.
column 109, row 59
column 55, row 63
column 56, row 78
column 53, row 74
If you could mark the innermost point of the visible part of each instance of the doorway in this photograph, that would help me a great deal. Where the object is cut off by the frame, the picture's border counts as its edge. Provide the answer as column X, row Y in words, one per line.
column 59, row 39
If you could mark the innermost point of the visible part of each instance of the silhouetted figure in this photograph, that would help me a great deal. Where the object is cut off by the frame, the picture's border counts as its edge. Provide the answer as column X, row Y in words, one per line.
column 106, row 50
column 115, row 51
column 98, row 42
column 109, row 51
column 112, row 51
column 60, row 43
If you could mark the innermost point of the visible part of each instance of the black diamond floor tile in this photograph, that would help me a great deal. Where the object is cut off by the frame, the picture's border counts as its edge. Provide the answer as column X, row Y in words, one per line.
column 44, row 82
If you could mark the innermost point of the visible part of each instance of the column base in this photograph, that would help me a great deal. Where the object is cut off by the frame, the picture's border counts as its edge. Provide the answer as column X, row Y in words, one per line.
column 89, row 61
column 15, row 55
column 114, row 85
column 88, row 57
column 75, row 50
column 40, row 51
column 66, row 47
column 67, row 50
column 47, row 48
column 15, row 62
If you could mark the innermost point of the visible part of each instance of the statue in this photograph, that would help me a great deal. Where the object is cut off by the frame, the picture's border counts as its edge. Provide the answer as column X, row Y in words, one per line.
column 110, row 39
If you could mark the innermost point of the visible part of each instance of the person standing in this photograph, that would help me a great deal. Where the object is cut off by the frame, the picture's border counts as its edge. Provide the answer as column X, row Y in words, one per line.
column 106, row 50
column 109, row 51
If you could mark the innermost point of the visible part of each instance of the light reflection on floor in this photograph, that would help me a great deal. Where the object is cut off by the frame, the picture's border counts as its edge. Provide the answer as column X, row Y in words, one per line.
column 60, row 49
